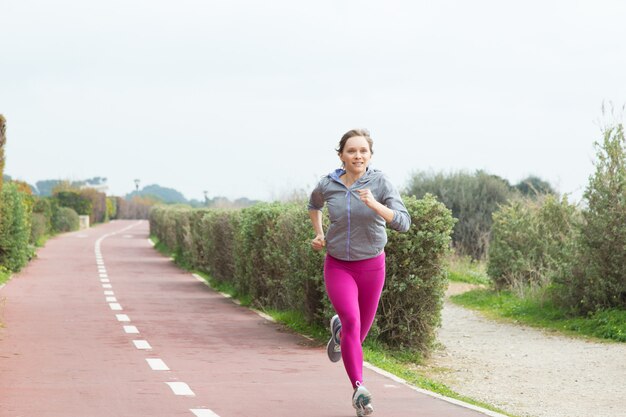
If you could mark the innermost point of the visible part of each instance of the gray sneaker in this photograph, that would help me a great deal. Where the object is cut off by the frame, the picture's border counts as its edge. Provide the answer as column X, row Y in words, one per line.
column 334, row 347
column 362, row 401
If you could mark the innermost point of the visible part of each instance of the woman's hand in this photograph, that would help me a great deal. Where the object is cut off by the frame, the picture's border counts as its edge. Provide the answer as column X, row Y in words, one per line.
column 318, row 243
column 367, row 197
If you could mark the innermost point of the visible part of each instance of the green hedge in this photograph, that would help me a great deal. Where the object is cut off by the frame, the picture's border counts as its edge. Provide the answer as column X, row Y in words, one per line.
column 65, row 219
column 81, row 204
column 264, row 252
column 15, row 228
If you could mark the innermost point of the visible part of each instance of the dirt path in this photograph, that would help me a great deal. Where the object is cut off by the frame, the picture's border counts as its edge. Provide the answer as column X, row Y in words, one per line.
column 526, row 371
column 100, row 324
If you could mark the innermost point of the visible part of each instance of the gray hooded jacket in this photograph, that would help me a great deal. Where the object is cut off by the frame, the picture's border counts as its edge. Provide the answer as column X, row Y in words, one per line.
column 356, row 232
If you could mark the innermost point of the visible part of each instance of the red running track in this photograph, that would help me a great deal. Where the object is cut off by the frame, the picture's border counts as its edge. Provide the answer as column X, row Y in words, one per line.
column 65, row 350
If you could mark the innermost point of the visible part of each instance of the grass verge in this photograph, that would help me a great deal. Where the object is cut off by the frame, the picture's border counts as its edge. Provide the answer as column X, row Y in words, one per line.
column 399, row 363
column 5, row 275
column 537, row 310
column 464, row 269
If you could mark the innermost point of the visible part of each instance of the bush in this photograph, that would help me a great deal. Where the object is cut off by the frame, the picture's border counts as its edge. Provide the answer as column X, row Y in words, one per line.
column 257, row 266
column 39, row 228
column 82, row 205
column 15, row 228
column 596, row 276
column 472, row 198
column 97, row 202
column 45, row 207
column 214, row 237
column 135, row 208
column 529, row 241
column 416, row 280
column 111, row 213
column 65, row 219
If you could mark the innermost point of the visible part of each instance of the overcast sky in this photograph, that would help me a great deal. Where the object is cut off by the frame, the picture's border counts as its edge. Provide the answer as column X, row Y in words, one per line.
column 249, row 98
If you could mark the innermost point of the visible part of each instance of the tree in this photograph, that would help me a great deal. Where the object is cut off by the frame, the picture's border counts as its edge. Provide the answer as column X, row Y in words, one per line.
column 166, row 195
column 596, row 278
column 534, row 186
column 472, row 198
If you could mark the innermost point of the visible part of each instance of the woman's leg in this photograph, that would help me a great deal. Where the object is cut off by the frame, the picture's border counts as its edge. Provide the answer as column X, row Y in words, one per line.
column 344, row 295
column 370, row 283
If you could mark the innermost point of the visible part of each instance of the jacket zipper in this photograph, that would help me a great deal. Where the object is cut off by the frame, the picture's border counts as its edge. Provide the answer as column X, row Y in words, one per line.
column 348, row 239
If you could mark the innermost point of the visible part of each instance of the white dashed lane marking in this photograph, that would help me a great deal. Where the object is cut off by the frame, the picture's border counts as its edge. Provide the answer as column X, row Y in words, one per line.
column 107, row 286
column 122, row 317
column 115, row 306
column 111, row 300
column 109, row 292
column 202, row 412
column 180, row 388
column 142, row 344
column 131, row 329
column 157, row 364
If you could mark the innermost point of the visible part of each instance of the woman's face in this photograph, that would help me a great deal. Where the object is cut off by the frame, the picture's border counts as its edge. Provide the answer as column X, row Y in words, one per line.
column 356, row 155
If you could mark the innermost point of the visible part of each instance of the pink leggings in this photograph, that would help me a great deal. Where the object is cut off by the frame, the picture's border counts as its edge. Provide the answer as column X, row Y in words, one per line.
column 354, row 289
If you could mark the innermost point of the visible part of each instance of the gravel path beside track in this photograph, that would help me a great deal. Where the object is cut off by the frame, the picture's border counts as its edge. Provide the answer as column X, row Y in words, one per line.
column 526, row 371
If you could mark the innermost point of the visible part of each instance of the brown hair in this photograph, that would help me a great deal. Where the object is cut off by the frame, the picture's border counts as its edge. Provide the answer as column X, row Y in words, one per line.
column 352, row 133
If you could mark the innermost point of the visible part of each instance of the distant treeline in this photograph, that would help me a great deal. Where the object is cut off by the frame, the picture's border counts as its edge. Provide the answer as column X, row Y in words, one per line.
column 155, row 192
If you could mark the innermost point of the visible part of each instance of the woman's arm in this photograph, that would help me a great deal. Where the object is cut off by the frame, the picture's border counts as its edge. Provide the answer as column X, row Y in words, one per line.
column 316, row 218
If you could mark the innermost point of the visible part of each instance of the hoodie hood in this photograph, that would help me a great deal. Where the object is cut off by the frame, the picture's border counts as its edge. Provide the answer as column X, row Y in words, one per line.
column 369, row 175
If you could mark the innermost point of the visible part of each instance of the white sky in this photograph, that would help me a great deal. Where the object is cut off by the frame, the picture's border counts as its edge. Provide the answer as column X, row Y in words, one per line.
column 249, row 98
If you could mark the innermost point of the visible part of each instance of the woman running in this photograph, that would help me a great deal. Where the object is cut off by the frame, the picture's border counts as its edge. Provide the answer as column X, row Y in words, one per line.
column 361, row 201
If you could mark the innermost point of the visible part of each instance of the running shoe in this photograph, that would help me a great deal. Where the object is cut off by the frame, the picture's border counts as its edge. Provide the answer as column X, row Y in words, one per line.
column 362, row 401
column 334, row 347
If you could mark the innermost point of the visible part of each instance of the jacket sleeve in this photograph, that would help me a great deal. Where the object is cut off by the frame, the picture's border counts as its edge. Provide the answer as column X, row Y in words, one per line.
column 316, row 200
column 391, row 198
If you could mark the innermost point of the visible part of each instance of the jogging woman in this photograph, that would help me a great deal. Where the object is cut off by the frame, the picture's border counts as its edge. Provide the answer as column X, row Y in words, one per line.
column 361, row 201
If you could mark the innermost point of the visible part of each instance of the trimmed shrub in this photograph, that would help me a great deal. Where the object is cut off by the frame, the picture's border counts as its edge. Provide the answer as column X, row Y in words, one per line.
column 596, row 277
column 136, row 208
column 82, row 205
column 303, row 277
column 98, row 204
column 38, row 229
column 44, row 206
column 111, row 213
column 214, row 240
column 472, row 198
column 529, row 242
column 257, row 266
column 65, row 219
column 416, row 280
column 15, row 228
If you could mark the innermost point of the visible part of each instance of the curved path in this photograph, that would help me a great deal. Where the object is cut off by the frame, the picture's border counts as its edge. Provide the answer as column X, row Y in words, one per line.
column 100, row 324
column 527, row 371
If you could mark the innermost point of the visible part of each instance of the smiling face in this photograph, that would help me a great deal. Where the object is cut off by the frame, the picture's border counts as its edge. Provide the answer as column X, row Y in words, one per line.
column 356, row 155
